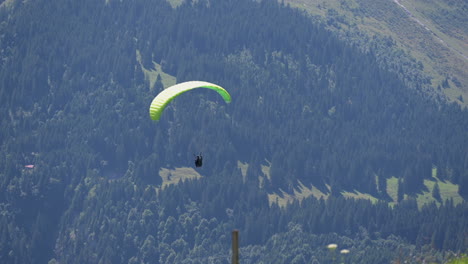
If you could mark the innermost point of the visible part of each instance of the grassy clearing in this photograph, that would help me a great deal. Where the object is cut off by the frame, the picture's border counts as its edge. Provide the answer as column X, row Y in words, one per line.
column 303, row 192
column 175, row 3
column 266, row 170
column 243, row 166
column 461, row 260
column 359, row 195
column 282, row 199
column 392, row 189
column 176, row 175
column 448, row 191
column 300, row 193
column 454, row 94
column 92, row 193
column 152, row 74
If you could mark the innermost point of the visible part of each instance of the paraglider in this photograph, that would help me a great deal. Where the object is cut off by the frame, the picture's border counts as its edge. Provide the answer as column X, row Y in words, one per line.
column 199, row 161
column 160, row 102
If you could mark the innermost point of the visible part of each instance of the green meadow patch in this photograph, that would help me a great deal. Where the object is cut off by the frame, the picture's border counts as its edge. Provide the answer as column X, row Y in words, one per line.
column 461, row 260
column 151, row 74
column 448, row 191
column 301, row 192
column 243, row 166
column 177, row 175
column 359, row 195
column 175, row 3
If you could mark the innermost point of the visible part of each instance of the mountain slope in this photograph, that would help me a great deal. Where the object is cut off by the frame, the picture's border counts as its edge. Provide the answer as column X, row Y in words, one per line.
column 433, row 32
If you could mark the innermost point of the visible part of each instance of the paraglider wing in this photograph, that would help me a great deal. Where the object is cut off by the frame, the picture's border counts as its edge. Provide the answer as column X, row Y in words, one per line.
column 166, row 96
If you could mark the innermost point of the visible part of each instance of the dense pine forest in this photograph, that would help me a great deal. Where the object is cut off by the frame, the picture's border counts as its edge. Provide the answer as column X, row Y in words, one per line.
column 81, row 163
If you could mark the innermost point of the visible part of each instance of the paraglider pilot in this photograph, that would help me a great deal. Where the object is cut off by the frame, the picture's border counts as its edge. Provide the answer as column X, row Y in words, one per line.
column 199, row 161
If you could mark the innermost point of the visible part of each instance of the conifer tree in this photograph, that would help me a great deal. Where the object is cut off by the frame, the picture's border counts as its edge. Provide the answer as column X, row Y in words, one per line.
column 436, row 192
column 400, row 192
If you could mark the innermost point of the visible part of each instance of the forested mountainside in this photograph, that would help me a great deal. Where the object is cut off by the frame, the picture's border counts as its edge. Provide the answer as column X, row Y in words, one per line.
column 433, row 31
column 84, row 172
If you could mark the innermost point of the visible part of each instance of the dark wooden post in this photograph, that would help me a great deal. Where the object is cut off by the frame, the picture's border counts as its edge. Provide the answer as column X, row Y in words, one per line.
column 235, row 247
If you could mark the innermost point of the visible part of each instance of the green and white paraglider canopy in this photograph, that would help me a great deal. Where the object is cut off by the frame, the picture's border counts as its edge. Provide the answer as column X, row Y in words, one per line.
column 160, row 102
